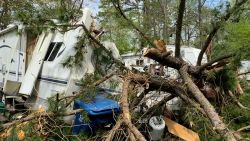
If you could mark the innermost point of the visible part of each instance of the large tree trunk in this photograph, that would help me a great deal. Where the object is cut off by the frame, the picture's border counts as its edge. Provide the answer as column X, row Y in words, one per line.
column 178, row 28
column 125, row 111
column 207, row 106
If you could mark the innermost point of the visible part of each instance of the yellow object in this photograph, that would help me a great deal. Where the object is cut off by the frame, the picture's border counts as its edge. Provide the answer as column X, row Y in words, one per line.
column 181, row 131
column 20, row 135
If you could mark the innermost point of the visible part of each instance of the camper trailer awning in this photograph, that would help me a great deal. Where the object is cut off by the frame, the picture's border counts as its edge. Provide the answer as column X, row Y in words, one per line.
column 8, row 29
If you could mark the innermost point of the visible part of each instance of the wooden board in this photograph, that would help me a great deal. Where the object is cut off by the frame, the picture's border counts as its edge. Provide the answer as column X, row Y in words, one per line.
column 181, row 131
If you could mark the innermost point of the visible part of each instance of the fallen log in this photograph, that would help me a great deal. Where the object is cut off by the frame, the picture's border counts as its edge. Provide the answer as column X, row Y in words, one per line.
column 217, row 123
column 125, row 111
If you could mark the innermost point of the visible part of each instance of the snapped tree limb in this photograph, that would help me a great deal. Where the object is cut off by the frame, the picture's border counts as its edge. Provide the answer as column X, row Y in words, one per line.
column 36, row 115
column 244, row 73
column 114, row 130
column 217, row 123
column 125, row 111
column 160, row 84
column 244, row 128
column 202, row 67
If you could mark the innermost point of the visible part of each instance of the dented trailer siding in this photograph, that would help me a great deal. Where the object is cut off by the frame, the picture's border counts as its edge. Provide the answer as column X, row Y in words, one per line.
column 45, row 75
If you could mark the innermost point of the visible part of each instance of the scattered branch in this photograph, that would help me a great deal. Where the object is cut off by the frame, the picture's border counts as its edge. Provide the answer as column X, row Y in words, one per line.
column 237, row 101
column 125, row 111
column 202, row 67
column 207, row 106
column 38, row 115
column 114, row 130
column 244, row 73
column 244, row 128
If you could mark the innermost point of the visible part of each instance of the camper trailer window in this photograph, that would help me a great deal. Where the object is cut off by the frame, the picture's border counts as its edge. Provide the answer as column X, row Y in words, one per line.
column 139, row 62
column 53, row 51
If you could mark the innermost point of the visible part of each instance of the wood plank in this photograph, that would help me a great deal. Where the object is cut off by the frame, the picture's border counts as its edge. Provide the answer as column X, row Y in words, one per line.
column 181, row 131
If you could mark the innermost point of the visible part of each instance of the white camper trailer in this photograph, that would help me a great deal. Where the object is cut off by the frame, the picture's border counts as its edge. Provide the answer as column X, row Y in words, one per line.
column 43, row 75
column 139, row 62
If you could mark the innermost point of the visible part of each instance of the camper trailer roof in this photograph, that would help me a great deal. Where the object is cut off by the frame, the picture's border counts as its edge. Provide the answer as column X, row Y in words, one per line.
column 8, row 29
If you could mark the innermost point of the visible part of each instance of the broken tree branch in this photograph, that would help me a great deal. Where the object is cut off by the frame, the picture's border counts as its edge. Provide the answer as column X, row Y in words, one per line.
column 202, row 67
column 244, row 73
column 165, row 60
column 178, row 28
column 118, row 62
column 237, row 101
column 217, row 26
column 244, row 128
column 158, row 83
column 218, row 124
column 36, row 115
column 114, row 130
column 125, row 111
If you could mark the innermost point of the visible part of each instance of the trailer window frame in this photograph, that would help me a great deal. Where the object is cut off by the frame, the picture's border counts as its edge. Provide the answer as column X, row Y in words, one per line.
column 53, row 51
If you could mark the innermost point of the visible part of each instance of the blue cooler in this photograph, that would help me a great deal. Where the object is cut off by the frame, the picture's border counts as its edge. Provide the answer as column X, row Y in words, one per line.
column 100, row 111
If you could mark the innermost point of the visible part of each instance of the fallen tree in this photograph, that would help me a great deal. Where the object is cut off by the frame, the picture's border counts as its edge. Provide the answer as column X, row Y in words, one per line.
column 187, row 88
column 189, row 73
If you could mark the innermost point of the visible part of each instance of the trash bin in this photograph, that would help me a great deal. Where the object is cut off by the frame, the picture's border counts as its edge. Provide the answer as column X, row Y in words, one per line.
column 157, row 124
column 100, row 111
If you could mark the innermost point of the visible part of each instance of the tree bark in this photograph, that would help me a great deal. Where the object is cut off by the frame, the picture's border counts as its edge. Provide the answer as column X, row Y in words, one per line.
column 244, row 128
column 125, row 111
column 218, row 124
column 160, row 84
column 178, row 28
column 202, row 67
column 114, row 130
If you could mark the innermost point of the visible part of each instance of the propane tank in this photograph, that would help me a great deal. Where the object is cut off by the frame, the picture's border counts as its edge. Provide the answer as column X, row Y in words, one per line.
column 158, row 125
